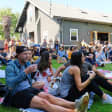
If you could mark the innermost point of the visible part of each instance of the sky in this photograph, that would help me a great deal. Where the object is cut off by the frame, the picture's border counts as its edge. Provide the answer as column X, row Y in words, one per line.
column 15, row 5
column 104, row 6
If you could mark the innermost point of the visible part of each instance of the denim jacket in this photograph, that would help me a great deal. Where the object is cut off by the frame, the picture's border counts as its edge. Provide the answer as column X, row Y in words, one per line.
column 15, row 76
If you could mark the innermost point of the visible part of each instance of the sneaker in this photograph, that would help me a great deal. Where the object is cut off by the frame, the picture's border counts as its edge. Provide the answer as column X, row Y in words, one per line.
column 108, row 100
column 81, row 104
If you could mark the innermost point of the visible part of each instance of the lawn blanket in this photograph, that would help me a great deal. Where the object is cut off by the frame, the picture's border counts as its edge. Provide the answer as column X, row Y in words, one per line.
column 31, row 110
column 107, row 73
column 2, row 73
column 1, row 100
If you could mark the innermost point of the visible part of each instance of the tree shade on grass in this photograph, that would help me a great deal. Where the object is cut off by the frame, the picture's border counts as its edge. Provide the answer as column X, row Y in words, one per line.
column 96, row 107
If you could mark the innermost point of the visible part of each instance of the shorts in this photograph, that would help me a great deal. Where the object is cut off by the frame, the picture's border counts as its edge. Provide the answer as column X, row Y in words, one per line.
column 23, row 98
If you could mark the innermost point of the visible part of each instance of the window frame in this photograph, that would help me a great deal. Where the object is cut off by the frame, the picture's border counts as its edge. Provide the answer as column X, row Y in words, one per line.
column 76, row 30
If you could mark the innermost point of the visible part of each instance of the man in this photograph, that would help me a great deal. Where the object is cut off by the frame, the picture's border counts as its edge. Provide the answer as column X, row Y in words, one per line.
column 24, row 95
column 3, row 56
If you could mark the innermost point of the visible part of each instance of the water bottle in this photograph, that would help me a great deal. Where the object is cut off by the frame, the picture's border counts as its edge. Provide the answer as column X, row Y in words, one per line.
column 91, row 99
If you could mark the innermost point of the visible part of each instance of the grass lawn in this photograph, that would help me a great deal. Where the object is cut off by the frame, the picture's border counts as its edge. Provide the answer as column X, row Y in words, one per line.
column 96, row 107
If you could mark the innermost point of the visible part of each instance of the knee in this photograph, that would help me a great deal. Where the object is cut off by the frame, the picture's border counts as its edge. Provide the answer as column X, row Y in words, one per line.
column 41, row 94
column 44, row 102
column 46, row 95
column 39, row 102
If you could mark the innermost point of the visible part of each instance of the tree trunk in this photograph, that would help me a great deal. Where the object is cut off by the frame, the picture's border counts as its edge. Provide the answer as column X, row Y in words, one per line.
column 6, row 26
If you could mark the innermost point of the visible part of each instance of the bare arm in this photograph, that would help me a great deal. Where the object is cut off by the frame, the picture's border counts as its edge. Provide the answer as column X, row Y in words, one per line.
column 75, row 71
column 99, row 73
column 60, row 69
column 38, row 85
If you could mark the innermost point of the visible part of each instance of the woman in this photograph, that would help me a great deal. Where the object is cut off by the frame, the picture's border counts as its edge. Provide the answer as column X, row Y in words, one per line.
column 70, row 52
column 91, row 58
column 74, row 84
column 99, row 60
column 45, row 72
column 62, row 56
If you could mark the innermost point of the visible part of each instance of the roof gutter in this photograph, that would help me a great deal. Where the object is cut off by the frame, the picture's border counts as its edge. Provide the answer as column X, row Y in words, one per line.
column 85, row 20
column 45, row 12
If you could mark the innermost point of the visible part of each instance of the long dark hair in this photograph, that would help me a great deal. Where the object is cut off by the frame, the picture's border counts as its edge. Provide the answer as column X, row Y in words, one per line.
column 44, row 61
column 76, row 59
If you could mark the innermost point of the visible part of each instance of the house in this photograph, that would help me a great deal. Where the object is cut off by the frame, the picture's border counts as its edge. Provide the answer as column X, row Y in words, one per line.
column 42, row 20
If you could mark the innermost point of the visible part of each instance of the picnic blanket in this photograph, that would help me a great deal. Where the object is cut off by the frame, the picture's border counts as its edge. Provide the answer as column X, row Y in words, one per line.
column 107, row 73
column 2, row 73
column 1, row 100
column 31, row 110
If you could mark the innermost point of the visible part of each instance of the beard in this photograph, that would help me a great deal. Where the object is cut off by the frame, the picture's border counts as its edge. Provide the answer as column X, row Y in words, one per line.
column 23, row 60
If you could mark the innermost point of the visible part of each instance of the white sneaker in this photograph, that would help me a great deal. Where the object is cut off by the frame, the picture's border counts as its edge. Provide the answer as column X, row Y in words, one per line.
column 81, row 104
column 108, row 100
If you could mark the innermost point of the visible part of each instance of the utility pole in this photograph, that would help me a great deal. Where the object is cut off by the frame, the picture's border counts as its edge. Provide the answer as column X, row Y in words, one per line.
column 50, row 7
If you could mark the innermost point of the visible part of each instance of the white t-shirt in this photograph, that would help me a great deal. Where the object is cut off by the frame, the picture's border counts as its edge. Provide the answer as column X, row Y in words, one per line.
column 43, row 77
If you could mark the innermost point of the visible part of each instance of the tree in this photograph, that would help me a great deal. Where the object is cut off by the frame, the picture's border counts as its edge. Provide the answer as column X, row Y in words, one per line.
column 8, row 21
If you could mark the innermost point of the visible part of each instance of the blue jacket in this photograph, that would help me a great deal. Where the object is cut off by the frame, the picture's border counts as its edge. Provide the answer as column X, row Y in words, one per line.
column 14, row 76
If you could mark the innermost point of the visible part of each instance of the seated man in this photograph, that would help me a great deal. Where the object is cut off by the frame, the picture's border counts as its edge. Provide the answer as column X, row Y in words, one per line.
column 3, row 56
column 24, row 95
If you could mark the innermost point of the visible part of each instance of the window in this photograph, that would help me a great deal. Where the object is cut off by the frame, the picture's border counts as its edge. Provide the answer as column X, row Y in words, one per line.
column 73, row 34
column 30, row 14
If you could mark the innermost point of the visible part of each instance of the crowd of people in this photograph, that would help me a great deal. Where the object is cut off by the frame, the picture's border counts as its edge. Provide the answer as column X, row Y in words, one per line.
column 30, row 76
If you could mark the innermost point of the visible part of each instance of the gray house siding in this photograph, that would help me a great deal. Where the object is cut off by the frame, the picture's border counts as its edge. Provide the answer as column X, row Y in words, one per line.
column 49, row 28
column 41, row 24
column 30, row 23
column 45, row 27
column 84, row 30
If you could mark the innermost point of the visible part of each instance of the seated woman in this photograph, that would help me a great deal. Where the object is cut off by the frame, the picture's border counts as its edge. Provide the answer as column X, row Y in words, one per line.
column 45, row 71
column 100, row 56
column 74, row 84
column 70, row 52
column 62, row 57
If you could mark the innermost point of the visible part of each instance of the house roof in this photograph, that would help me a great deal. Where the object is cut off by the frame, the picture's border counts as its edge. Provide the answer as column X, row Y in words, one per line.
column 22, row 18
column 70, row 13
